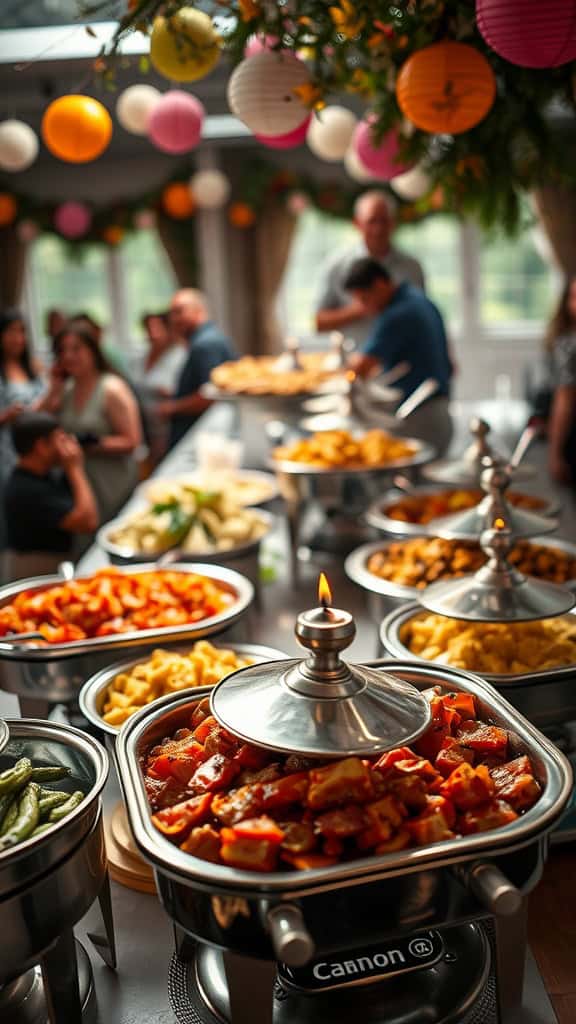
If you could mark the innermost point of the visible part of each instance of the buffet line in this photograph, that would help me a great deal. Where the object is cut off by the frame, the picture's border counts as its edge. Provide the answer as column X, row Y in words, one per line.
column 299, row 814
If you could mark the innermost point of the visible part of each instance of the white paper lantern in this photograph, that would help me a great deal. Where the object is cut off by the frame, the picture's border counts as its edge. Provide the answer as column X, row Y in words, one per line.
column 210, row 189
column 18, row 145
column 411, row 185
column 355, row 168
column 27, row 230
column 330, row 133
column 134, row 107
column 261, row 93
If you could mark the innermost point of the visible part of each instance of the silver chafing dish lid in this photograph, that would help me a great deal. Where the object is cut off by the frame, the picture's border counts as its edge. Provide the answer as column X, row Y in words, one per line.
column 466, row 470
column 321, row 706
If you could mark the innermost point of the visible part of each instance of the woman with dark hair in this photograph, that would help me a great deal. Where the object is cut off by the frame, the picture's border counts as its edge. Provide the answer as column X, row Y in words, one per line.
column 97, row 406
column 155, row 375
column 21, row 385
column 561, row 345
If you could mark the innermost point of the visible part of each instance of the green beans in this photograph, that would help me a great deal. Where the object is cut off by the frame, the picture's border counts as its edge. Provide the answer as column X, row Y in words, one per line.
column 58, row 813
column 27, row 819
column 14, row 778
column 50, row 800
column 10, row 816
column 40, row 829
column 50, row 774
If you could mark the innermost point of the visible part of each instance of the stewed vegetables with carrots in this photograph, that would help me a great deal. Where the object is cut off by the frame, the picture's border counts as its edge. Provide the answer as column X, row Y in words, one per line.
column 233, row 803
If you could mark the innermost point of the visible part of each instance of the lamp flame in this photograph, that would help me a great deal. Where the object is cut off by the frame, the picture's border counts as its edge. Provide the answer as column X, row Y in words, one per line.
column 324, row 592
column 499, row 524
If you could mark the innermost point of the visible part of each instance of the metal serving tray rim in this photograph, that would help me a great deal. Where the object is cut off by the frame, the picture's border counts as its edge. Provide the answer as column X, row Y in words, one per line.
column 91, row 689
column 123, row 551
column 390, row 638
column 185, row 478
column 145, row 637
column 81, row 741
column 355, row 566
column 423, row 453
column 180, row 866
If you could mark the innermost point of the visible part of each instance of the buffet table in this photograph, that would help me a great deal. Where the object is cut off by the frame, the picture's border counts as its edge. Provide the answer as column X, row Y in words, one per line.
column 138, row 992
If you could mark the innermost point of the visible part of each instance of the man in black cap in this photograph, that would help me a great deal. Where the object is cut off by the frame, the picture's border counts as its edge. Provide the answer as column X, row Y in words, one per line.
column 48, row 498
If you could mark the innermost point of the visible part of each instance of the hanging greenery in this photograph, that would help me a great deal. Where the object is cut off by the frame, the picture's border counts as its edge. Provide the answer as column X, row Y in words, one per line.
column 361, row 47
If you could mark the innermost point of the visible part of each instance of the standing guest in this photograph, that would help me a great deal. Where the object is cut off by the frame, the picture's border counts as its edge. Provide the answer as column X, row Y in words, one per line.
column 21, row 385
column 54, row 322
column 155, row 376
column 48, row 497
column 91, row 326
column 336, row 308
column 407, row 327
column 561, row 345
column 98, row 407
column 207, row 348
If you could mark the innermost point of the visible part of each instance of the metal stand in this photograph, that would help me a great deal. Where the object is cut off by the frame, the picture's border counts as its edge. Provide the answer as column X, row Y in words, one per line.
column 105, row 944
column 61, row 986
column 250, row 1002
column 511, row 936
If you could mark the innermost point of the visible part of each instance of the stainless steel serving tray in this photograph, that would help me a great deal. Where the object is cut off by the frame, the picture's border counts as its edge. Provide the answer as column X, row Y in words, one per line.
column 93, row 692
column 377, row 515
column 15, row 650
column 151, row 724
column 422, row 453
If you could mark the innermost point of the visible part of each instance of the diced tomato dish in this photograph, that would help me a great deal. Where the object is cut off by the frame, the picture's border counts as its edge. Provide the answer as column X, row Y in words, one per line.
column 232, row 803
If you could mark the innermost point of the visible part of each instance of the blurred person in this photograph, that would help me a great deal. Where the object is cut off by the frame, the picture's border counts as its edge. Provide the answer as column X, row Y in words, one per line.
column 207, row 347
column 48, row 497
column 374, row 216
column 22, row 383
column 155, row 376
column 91, row 326
column 561, row 349
column 407, row 327
column 54, row 321
column 97, row 406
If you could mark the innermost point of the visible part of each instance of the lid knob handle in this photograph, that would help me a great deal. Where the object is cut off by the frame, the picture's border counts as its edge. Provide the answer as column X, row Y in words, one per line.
column 292, row 942
column 496, row 892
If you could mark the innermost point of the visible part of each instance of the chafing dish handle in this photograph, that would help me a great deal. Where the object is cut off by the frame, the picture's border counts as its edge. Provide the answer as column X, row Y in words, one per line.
column 491, row 887
column 292, row 943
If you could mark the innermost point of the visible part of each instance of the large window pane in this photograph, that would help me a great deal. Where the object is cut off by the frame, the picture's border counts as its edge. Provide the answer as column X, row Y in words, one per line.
column 516, row 285
column 435, row 242
column 148, row 278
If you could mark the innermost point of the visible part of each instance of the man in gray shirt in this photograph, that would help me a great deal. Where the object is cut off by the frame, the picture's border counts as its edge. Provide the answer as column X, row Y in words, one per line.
column 336, row 309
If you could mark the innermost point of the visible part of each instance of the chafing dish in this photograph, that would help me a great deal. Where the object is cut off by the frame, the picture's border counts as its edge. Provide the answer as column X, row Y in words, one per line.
column 35, row 670
column 466, row 470
column 47, row 883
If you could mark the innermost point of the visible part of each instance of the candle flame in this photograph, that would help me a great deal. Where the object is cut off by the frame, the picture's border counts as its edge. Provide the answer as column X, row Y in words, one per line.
column 324, row 592
column 499, row 524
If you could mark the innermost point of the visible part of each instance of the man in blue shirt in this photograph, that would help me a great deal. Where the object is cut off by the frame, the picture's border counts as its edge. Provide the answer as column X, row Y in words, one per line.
column 207, row 348
column 407, row 328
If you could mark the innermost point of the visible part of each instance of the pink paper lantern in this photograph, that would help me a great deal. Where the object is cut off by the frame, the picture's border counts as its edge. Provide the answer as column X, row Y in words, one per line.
column 288, row 141
column 381, row 159
column 258, row 43
column 531, row 33
column 175, row 124
column 72, row 219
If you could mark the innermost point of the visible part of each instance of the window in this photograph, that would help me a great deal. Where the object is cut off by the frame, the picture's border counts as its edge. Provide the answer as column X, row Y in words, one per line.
column 516, row 285
column 435, row 242
column 148, row 278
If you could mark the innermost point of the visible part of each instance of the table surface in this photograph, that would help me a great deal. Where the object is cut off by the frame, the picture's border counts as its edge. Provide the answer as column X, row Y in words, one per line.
column 137, row 993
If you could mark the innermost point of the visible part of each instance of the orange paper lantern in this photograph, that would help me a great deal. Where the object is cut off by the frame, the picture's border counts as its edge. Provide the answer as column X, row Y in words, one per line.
column 241, row 215
column 177, row 201
column 446, row 88
column 113, row 234
column 76, row 129
column 8, row 209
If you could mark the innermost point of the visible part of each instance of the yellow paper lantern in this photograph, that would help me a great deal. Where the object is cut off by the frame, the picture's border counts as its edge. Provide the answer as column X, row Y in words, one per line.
column 76, row 129
column 184, row 47
column 241, row 215
column 8, row 209
column 446, row 88
column 113, row 234
column 177, row 201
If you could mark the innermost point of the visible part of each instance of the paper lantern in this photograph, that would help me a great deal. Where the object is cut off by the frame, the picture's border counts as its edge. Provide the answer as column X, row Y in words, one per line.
column 134, row 107
column 531, row 33
column 288, row 141
column 330, row 133
column 18, row 145
column 355, row 168
column 113, row 234
column 144, row 220
column 177, row 201
column 381, row 159
column 27, row 230
column 8, row 209
column 412, row 185
column 72, row 219
column 446, row 88
column 210, row 189
column 175, row 124
column 76, row 129
column 261, row 92
column 184, row 47
column 241, row 215
column 256, row 44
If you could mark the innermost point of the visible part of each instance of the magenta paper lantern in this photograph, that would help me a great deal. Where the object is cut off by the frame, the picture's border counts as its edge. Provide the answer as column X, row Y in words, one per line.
column 72, row 219
column 175, row 124
column 381, row 159
column 530, row 33
column 287, row 141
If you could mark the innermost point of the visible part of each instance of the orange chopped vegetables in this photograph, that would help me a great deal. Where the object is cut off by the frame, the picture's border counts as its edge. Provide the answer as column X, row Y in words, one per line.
column 112, row 601
column 229, row 802
column 422, row 508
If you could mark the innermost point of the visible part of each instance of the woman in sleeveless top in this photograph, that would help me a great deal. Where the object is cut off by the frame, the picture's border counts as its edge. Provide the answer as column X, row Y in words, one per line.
column 561, row 345
column 99, row 408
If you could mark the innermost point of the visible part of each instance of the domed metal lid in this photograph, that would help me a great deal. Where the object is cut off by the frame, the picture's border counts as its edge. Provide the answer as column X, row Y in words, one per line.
column 497, row 592
column 321, row 707
column 466, row 470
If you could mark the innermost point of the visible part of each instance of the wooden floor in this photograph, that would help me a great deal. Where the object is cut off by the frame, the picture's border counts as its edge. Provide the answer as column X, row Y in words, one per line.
column 552, row 931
